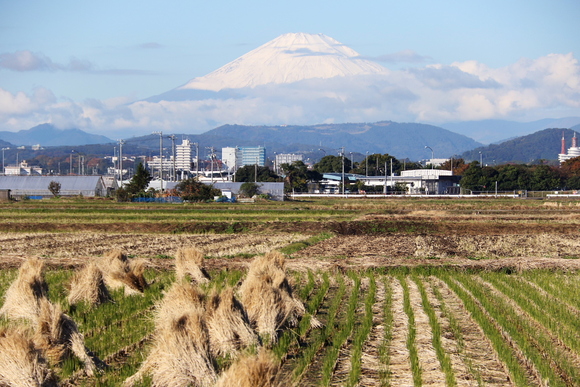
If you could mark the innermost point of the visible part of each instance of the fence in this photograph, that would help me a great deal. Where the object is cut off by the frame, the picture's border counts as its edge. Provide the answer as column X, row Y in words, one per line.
column 167, row 199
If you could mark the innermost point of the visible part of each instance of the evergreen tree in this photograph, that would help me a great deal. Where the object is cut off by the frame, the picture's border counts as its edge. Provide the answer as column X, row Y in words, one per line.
column 140, row 180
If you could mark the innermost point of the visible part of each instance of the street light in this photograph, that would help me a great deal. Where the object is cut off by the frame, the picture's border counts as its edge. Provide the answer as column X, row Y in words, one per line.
column 480, row 160
column 432, row 157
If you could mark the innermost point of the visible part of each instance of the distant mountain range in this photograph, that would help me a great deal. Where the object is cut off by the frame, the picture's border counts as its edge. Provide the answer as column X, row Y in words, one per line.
column 48, row 135
column 544, row 144
column 496, row 131
column 398, row 139
column 402, row 140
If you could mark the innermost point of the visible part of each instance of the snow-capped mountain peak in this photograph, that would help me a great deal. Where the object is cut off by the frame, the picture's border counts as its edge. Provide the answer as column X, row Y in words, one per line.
column 289, row 58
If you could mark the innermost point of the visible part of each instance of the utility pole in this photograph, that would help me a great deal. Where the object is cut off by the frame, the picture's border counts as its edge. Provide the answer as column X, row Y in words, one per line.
column 160, row 158
column 196, row 159
column 3, row 166
column 70, row 171
column 385, row 178
column 211, row 155
column 121, row 142
column 342, row 158
column 172, row 137
column 367, row 168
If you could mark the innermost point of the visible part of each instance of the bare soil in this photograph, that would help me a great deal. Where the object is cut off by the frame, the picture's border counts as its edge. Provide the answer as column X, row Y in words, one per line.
column 340, row 253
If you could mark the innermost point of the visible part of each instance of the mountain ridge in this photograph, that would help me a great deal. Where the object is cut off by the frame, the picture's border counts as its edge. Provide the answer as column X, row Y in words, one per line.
column 49, row 135
column 544, row 144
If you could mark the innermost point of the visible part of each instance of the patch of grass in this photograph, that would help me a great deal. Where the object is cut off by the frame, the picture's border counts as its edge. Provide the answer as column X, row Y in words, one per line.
column 297, row 246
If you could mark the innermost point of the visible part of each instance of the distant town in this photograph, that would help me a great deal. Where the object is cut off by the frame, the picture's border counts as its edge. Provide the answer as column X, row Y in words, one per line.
column 282, row 174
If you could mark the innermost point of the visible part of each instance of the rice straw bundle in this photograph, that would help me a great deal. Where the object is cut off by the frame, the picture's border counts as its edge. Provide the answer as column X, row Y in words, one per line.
column 22, row 299
column 20, row 363
column 258, row 370
column 122, row 272
column 181, row 297
column 267, row 296
column 189, row 261
column 180, row 355
column 58, row 337
column 88, row 285
column 228, row 324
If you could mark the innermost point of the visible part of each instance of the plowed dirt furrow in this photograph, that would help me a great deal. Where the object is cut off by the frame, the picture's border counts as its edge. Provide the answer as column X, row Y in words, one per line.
column 399, row 363
column 432, row 375
column 478, row 349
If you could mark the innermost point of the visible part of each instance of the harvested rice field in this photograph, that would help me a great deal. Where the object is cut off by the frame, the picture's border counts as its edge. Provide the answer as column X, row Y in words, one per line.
column 394, row 327
column 394, row 293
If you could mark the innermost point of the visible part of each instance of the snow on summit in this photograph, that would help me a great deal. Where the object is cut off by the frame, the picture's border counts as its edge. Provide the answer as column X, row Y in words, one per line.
column 288, row 58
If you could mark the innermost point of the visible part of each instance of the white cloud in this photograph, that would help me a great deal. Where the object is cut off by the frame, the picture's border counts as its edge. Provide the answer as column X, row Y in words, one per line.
column 405, row 56
column 436, row 93
column 29, row 61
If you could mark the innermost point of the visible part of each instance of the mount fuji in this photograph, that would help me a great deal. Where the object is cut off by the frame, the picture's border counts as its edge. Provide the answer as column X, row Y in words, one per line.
column 289, row 59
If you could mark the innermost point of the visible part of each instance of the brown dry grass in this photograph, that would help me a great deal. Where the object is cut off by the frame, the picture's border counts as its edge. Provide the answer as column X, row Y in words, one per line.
column 20, row 363
column 258, row 370
column 267, row 296
column 180, row 355
column 189, row 262
column 88, row 286
column 58, row 337
column 22, row 299
column 228, row 324
column 122, row 272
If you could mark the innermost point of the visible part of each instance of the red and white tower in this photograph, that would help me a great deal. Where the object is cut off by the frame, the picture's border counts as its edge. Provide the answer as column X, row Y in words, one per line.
column 563, row 151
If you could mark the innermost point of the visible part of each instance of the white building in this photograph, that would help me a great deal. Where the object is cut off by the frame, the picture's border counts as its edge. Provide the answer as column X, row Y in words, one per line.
column 184, row 156
column 286, row 158
column 232, row 158
column 573, row 151
column 237, row 157
column 22, row 170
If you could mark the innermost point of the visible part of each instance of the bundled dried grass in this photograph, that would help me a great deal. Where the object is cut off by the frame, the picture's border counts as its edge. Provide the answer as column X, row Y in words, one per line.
column 20, row 363
column 258, row 370
column 58, row 337
column 181, row 297
column 189, row 261
column 121, row 272
column 180, row 355
column 267, row 296
column 22, row 299
column 88, row 285
column 228, row 324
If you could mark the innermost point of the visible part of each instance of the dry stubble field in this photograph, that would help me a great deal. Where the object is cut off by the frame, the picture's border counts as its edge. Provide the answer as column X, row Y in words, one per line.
column 410, row 292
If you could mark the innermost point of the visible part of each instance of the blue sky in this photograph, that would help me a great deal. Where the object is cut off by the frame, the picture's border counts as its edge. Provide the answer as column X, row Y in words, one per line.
column 61, row 53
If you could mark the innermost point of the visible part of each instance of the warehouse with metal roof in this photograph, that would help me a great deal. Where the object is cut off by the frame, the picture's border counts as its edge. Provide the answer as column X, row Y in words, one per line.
column 37, row 186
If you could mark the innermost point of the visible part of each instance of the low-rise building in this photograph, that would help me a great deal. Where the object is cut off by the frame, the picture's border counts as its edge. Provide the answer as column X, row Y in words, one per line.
column 36, row 187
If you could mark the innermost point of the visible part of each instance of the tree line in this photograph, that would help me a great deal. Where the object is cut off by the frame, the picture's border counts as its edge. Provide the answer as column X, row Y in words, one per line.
column 514, row 177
